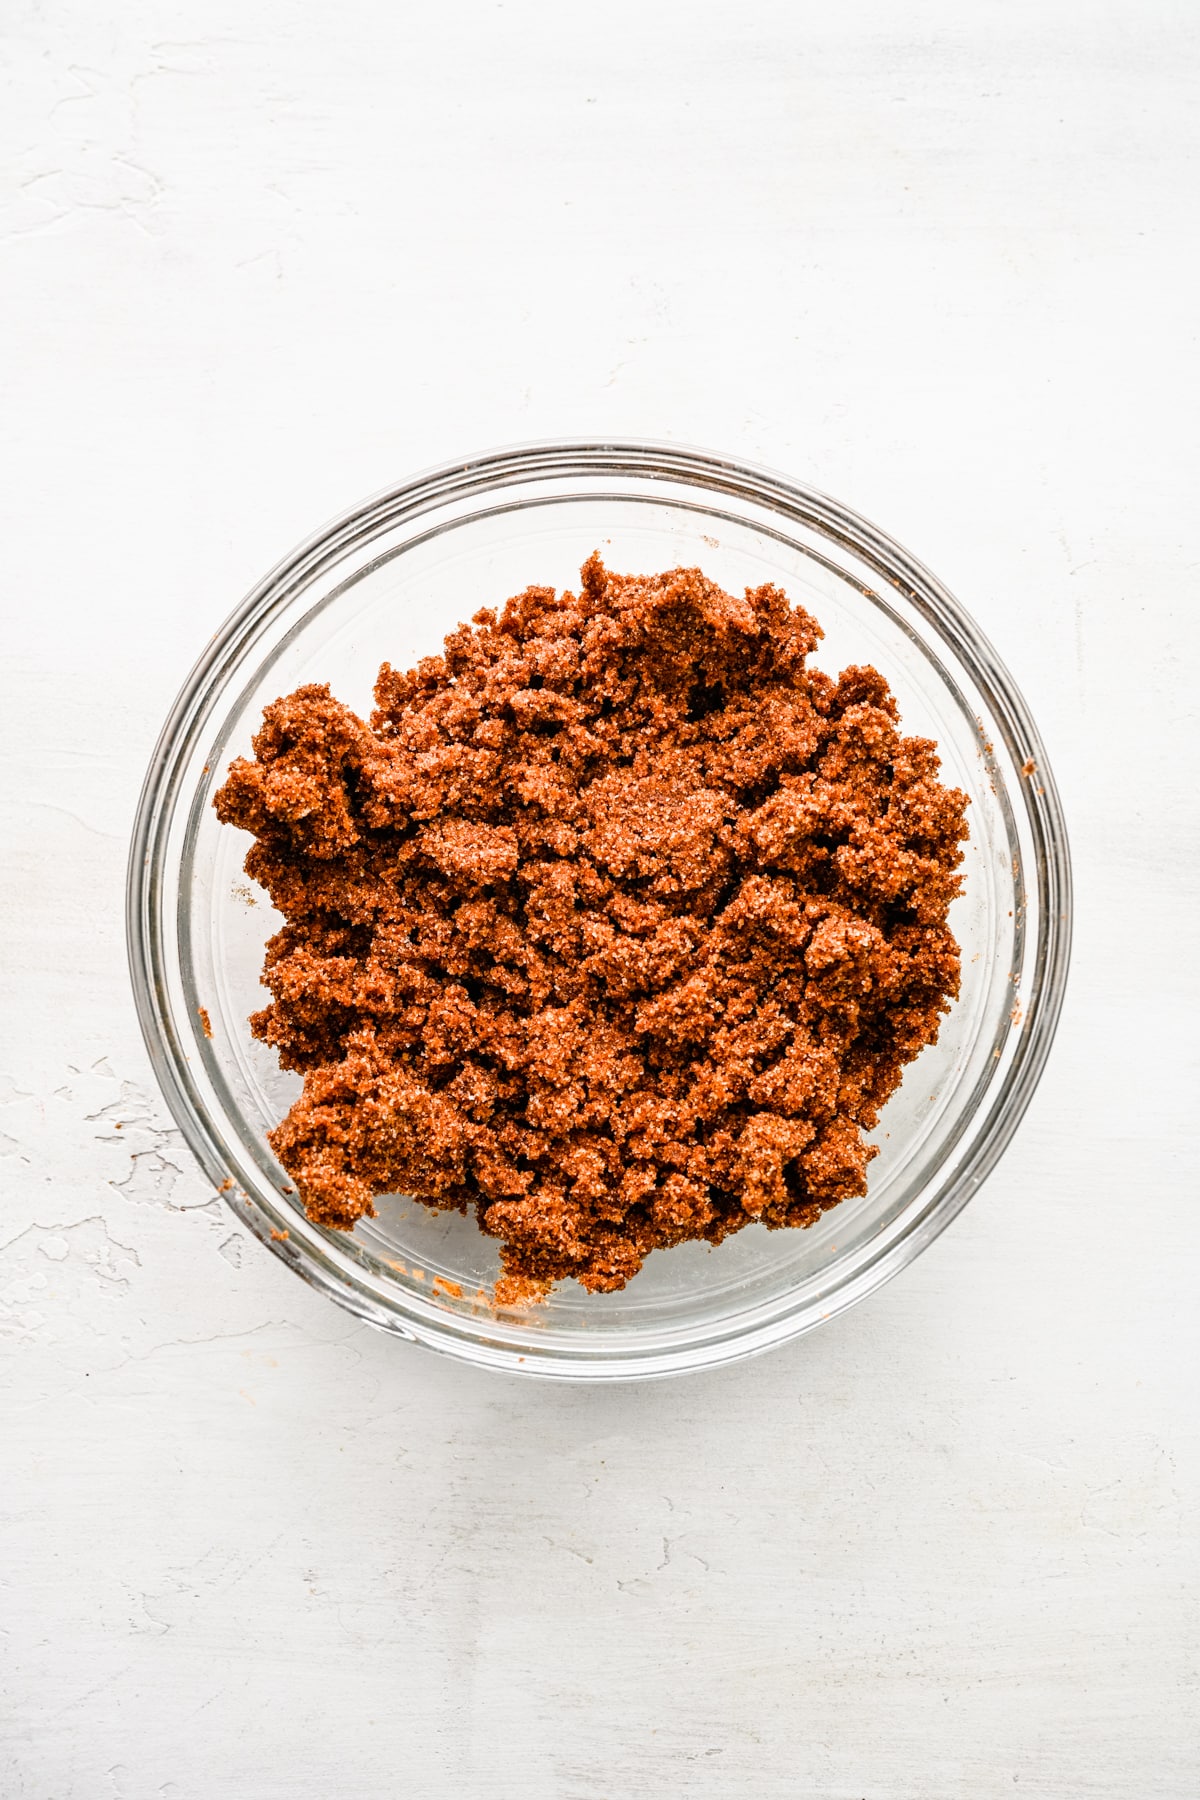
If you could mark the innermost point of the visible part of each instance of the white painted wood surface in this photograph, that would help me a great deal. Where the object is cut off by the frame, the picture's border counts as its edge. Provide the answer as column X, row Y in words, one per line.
column 258, row 259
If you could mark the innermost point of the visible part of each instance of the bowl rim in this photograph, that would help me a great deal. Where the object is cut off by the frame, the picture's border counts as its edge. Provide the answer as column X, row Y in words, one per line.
column 683, row 465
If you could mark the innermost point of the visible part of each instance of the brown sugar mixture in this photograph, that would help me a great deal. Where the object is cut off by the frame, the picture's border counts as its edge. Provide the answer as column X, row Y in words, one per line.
column 615, row 925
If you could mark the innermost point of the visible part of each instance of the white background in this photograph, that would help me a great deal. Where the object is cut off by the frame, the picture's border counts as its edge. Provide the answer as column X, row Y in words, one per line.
column 261, row 257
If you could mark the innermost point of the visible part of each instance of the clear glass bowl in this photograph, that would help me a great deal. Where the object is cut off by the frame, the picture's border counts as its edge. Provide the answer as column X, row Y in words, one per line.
column 386, row 582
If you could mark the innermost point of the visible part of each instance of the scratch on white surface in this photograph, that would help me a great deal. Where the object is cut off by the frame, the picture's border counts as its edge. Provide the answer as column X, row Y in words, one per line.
column 193, row 1343
column 112, row 1130
column 65, row 812
column 1136, row 1503
column 90, row 1693
column 570, row 1550
column 232, row 1249
column 143, row 1618
column 151, row 1178
column 142, row 1156
column 83, row 1253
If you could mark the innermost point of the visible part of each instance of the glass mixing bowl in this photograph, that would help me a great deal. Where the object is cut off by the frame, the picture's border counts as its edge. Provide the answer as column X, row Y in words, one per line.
column 386, row 582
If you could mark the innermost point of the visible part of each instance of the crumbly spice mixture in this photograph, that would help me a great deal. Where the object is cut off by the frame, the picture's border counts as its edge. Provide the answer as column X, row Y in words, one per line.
column 615, row 925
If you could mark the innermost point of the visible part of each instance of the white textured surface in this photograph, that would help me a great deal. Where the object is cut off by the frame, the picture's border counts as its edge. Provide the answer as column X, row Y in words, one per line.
column 258, row 259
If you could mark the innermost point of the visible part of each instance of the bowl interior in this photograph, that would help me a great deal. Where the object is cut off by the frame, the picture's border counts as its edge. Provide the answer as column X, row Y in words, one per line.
column 392, row 594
